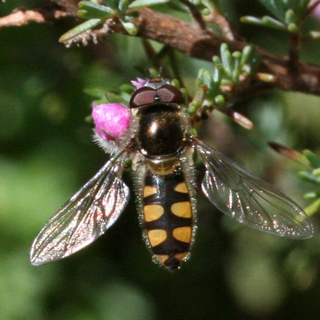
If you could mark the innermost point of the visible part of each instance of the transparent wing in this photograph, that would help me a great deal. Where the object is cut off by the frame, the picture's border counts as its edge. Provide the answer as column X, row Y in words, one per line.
column 85, row 217
column 250, row 200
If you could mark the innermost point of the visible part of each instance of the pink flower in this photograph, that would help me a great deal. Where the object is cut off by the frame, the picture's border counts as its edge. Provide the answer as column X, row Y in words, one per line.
column 139, row 83
column 111, row 120
column 316, row 10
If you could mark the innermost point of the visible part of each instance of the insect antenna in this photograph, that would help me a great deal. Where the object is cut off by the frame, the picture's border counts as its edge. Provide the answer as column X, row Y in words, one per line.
column 147, row 72
column 161, row 69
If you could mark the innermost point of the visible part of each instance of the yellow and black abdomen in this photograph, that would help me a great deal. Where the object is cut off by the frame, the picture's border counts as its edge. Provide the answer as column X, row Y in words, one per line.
column 167, row 215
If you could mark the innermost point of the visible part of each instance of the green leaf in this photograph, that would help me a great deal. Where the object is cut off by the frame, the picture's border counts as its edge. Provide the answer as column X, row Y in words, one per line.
column 252, row 20
column 91, row 10
column 217, row 77
column 235, row 76
column 195, row 104
column 131, row 16
column 265, row 21
column 312, row 195
column 247, row 53
column 208, row 81
column 280, row 7
column 307, row 176
column 237, row 55
column 127, row 88
column 293, row 27
column 298, row 6
column 207, row 78
column 313, row 35
column 219, row 100
column 277, row 7
column 290, row 17
column 146, row 3
column 113, row 4
column 95, row 92
column 273, row 23
column 97, row 102
column 291, row 21
column 316, row 172
column 226, row 59
column 216, row 60
column 198, row 97
column 115, row 98
column 83, row 27
column 211, row 81
column 253, row 63
column 313, row 208
column 313, row 158
column 123, row 5
column 196, row 2
column 87, row 5
column 130, row 27
column 175, row 83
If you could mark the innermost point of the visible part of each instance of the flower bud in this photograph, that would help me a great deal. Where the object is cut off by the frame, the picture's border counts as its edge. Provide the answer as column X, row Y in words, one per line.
column 111, row 120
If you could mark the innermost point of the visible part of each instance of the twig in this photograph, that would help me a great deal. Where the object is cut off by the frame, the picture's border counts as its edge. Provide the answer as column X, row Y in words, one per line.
column 215, row 16
column 153, row 56
column 175, row 66
column 23, row 16
column 294, row 51
column 197, row 16
column 194, row 42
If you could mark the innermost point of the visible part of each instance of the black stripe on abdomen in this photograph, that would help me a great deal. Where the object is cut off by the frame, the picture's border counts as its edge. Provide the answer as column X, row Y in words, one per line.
column 168, row 217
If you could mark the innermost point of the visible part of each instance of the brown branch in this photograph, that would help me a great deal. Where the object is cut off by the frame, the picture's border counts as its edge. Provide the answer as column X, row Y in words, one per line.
column 203, row 44
column 224, row 24
column 195, row 13
column 22, row 16
column 178, row 34
column 198, row 43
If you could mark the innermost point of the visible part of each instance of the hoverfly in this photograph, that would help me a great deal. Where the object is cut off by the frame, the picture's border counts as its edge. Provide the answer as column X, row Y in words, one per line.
column 160, row 146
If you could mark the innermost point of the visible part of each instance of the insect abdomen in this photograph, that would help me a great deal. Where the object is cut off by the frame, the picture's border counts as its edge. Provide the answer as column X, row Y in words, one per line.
column 168, row 217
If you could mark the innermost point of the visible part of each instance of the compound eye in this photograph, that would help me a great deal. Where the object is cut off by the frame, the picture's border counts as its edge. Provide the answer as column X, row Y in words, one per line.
column 142, row 97
column 168, row 93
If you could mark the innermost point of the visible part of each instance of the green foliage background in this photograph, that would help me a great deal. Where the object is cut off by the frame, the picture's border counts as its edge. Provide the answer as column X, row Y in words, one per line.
column 46, row 154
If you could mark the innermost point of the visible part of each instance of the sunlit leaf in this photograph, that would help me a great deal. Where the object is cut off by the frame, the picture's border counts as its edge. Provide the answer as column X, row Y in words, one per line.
column 130, row 27
column 309, row 177
column 226, row 58
column 313, row 158
column 87, row 5
column 312, row 208
column 91, row 10
column 312, row 195
column 146, row 3
column 83, row 27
